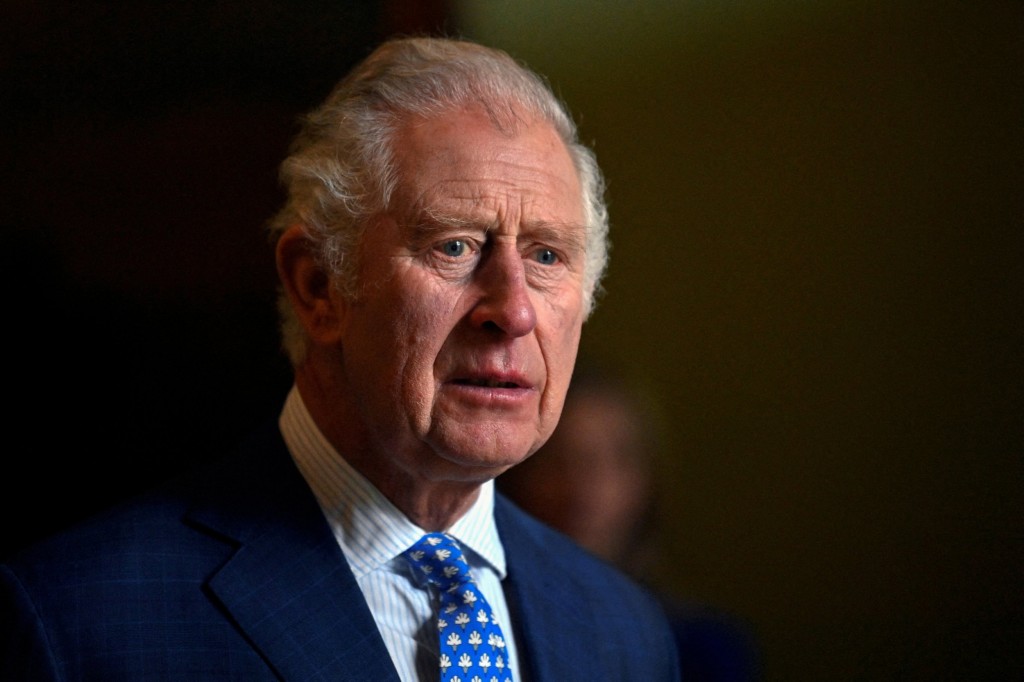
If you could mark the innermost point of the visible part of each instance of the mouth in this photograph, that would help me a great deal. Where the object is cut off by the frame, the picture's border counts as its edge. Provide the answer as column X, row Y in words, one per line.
column 487, row 383
column 492, row 390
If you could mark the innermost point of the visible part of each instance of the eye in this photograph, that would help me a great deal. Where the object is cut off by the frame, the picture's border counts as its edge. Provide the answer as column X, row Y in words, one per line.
column 453, row 248
column 545, row 256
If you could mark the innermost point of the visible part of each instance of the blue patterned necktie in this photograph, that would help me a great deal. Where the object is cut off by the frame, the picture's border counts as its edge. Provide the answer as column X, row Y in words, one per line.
column 472, row 646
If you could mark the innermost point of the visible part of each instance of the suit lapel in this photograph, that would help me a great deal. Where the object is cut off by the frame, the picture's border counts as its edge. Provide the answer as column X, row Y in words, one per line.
column 287, row 586
column 289, row 589
column 552, row 639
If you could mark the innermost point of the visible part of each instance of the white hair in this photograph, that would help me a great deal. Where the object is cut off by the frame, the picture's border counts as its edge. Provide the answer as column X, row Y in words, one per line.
column 341, row 168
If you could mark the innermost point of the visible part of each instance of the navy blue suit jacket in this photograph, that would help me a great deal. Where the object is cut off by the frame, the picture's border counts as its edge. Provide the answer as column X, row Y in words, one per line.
column 234, row 574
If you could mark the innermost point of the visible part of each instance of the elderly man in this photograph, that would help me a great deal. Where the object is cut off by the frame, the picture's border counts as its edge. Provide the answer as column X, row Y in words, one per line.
column 439, row 251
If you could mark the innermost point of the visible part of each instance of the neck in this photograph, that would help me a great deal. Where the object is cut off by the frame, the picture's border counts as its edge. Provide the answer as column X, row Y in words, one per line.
column 433, row 503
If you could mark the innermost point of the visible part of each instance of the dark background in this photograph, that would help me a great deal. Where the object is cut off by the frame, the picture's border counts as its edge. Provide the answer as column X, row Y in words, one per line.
column 817, row 273
column 816, row 277
column 141, row 143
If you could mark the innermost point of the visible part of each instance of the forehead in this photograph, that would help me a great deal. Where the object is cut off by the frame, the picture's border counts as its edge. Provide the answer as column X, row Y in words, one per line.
column 459, row 164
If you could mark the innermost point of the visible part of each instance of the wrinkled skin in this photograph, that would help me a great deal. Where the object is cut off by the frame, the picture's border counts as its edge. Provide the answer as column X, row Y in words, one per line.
column 452, row 362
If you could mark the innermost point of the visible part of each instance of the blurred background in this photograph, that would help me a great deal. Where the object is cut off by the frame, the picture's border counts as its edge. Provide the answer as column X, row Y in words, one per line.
column 816, row 281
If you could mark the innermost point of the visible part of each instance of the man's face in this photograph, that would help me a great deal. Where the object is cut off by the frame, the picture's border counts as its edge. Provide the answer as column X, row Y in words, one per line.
column 461, row 342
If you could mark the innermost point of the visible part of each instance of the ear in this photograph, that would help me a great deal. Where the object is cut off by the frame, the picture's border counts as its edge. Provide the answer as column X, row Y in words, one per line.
column 319, row 306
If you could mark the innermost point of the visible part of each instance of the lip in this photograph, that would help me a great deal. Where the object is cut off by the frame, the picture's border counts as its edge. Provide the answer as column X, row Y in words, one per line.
column 492, row 380
column 474, row 398
column 490, row 388
column 490, row 383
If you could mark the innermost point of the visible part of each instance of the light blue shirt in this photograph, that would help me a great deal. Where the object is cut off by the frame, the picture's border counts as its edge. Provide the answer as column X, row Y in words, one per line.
column 373, row 533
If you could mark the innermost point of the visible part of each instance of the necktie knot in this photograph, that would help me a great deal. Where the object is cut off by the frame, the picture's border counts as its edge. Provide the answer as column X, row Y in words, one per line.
column 439, row 559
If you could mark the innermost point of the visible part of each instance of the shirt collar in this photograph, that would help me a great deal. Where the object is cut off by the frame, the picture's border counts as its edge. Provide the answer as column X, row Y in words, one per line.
column 369, row 528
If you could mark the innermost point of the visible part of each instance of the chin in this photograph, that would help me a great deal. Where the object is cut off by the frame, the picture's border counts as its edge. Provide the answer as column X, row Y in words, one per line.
column 485, row 462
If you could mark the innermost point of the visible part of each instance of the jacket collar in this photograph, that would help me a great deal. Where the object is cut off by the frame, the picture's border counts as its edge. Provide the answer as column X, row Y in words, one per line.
column 554, row 640
column 286, row 585
column 289, row 589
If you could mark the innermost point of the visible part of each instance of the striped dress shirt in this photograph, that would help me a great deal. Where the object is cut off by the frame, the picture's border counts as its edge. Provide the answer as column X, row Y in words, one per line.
column 373, row 533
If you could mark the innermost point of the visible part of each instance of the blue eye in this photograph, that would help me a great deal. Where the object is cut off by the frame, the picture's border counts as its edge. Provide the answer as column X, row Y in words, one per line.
column 453, row 248
column 546, row 257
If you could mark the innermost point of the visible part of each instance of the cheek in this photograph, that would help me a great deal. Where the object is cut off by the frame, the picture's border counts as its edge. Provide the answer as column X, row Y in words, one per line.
column 563, row 344
column 563, row 328
column 560, row 357
column 421, row 326
column 426, row 323
column 562, row 314
column 566, row 319
column 408, row 309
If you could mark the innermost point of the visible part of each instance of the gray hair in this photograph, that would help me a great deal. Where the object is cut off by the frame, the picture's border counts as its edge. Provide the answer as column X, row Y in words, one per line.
column 341, row 168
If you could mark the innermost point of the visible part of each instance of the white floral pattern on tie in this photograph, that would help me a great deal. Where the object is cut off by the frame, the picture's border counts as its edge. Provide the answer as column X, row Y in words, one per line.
column 476, row 644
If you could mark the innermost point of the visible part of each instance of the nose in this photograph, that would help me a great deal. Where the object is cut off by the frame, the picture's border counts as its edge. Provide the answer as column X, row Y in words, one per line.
column 505, row 302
